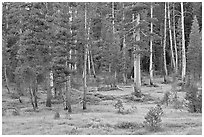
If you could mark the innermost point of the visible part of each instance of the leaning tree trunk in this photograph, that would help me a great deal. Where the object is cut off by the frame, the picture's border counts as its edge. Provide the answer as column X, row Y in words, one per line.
column 137, row 75
column 171, row 41
column 92, row 63
column 6, row 79
column 164, row 47
column 183, row 45
column 151, row 41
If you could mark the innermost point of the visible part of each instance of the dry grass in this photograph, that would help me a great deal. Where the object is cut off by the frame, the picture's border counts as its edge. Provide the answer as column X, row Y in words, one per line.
column 100, row 119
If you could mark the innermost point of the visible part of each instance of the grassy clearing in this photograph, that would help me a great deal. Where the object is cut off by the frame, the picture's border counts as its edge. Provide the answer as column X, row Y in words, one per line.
column 100, row 119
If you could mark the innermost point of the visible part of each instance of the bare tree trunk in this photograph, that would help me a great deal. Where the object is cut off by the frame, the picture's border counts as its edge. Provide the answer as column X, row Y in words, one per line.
column 151, row 41
column 6, row 79
column 89, row 62
column 5, row 66
column 124, row 52
column 175, row 44
column 31, row 97
column 49, row 93
column 35, row 94
column 183, row 75
column 85, row 59
column 137, row 73
column 92, row 63
column 68, row 94
column 164, row 47
column 109, row 67
column 171, row 41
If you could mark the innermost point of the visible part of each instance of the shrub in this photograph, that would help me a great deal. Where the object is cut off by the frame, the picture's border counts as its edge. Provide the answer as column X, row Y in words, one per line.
column 177, row 104
column 119, row 106
column 194, row 98
column 153, row 118
column 57, row 115
column 15, row 112
column 166, row 98
column 128, row 125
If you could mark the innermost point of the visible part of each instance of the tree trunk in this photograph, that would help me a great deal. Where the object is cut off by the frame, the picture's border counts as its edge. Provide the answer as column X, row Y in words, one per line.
column 49, row 93
column 171, row 41
column 150, row 60
column 89, row 62
column 92, row 63
column 164, row 47
column 124, row 53
column 183, row 45
column 6, row 79
column 137, row 75
column 35, row 90
column 68, row 94
column 85, row 59
column 175, row 44
column 31, row 97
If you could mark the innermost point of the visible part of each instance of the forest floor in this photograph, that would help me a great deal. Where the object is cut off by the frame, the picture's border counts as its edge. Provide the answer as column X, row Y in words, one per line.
column 101, row 117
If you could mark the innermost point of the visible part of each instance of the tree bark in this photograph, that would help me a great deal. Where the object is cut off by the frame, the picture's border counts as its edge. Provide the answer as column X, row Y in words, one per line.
column 89, row 62
column 137, row 75
column 92, row 63
column 49, row 93
column 35, row 90
column 68, row 94
column 6, row 79
column 150, row 58
column 171, row 41
column 183, row 75
column 85, row 59
column 164, row 46
column 175, row 44
column 124, row 52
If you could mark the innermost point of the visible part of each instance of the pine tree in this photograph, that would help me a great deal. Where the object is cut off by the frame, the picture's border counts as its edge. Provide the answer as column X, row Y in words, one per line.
column 194, row 53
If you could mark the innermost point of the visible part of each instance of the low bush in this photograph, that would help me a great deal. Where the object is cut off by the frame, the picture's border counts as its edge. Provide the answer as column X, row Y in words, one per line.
column 153, row 118
column 128, row 125
column 119, row 106
column 124, row 110
column 194, row 99
column 57, row 115
column 15, row 112
column 166, row 98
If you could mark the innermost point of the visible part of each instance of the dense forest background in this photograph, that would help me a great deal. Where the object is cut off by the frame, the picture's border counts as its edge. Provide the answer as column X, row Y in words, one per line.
column 62, row 45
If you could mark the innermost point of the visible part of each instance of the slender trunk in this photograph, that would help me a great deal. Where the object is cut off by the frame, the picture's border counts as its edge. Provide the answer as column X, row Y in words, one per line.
column 68, row 94
column 137, row 75
column 75, row 51
column 175, row 44
column 49, row 93
column 164, row 47
column 150, row 60
column 124, row 52
column 92, row 63
column 85, row 59
column 5, row 66
column 109, row 67
column 89, row 62
column 52, row 84
column 183, row 45
column 35, row 90
column 113, row 16
column 31, row 96
column 171, row 41
column 6, row 79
